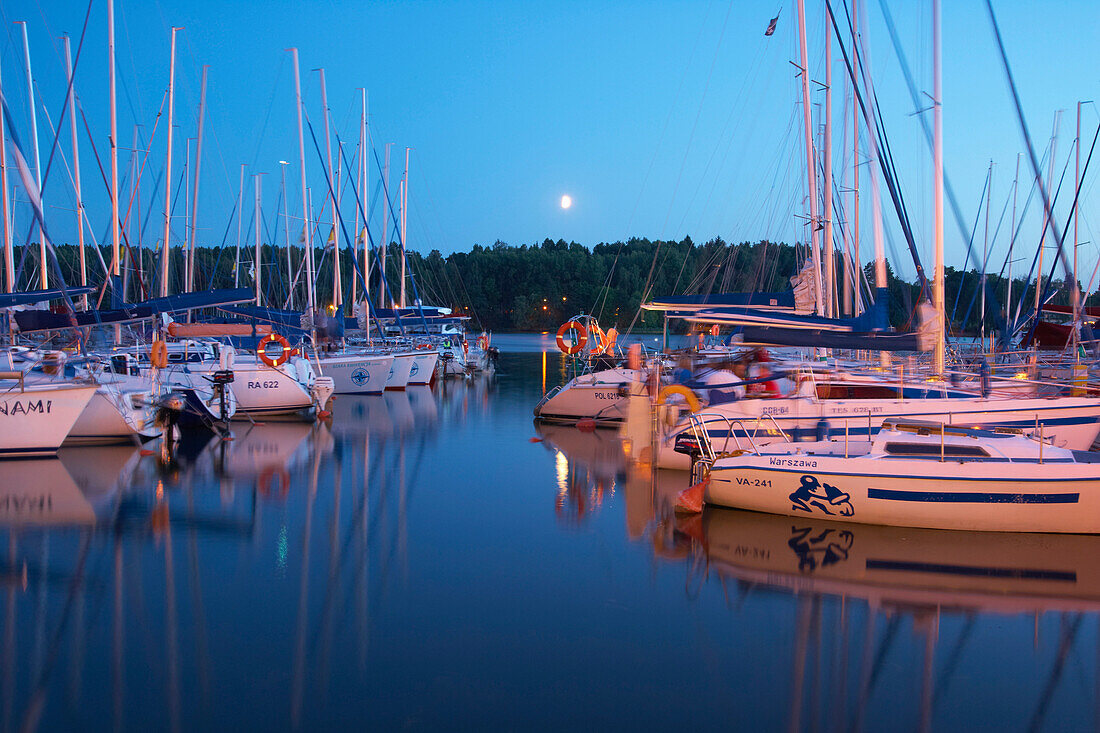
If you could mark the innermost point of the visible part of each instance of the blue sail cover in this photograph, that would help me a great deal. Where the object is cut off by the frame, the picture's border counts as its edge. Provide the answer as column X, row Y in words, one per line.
column 688, row 303
column 47, row 320
column 10, row 300
column 873, row 319
column 274, row 316
column 817, row 338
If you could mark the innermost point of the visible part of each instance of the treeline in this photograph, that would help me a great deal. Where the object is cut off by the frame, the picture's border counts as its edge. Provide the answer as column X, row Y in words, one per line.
column 533, row 287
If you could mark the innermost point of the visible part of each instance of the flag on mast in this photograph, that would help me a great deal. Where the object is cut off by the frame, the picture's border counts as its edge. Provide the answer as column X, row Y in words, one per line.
column 771, row 25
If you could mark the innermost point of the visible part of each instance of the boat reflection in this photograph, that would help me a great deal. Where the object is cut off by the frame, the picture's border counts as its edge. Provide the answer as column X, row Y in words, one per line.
column 938, row 583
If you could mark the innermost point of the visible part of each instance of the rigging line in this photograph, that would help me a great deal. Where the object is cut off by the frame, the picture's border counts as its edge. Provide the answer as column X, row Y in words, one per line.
column 973, row 231
column 668, row 117
column 985, row 277
column 1047, row 205
column 698, row 115
column 1065, row 230
column 872, row 118
column 270, row 106
column 1042, row 237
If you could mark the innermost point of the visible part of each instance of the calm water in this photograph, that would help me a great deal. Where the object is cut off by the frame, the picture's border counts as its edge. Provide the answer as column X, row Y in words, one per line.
column 422, row 564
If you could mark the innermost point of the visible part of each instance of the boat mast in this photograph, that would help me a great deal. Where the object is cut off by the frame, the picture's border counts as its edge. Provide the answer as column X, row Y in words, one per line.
column 857, row 264
column 404, row 221
column 43, row 275
column 811, row 175
column 332, row 199
column 76, row 172
column 306, row 244
column 168, row 170
column 1075, row 292
column 9, row 258
column 1046, row 219
column 195, row 188
column 286, row 236
column 363, row 168
column 116, row 259
column 1012, row 243
column 240, row 216
column 985, row 245
column 830, row 273
column 937, row 156
column 257, row 259
column 385, row 219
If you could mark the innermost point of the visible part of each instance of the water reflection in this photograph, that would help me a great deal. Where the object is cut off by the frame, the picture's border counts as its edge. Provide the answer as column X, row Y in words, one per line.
column 417, row 562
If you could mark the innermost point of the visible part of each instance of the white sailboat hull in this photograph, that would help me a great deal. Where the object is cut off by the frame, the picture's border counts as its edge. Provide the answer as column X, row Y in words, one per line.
column 1073, row 422
column 400, row 371
column 952, row 494
column 423, row 367
column 36, row 421
column 357, row 374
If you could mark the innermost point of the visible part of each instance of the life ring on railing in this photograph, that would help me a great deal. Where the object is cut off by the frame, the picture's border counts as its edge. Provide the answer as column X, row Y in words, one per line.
column 687, row 394
column 582, row 337
column 714, row 330
column 483, row 342
column 273, row 338
column 158, row 355
column 267, row 478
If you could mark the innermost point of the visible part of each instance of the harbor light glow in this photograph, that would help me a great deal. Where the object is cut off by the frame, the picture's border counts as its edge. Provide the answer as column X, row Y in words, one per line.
column 566, row 201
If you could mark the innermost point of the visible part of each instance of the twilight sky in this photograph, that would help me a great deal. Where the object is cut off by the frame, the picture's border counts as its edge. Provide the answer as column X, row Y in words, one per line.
column 660, row 119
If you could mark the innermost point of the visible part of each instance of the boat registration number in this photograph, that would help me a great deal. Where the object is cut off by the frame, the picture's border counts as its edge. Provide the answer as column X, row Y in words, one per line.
column 606, row 395
column 263, row 385
column 753, row 481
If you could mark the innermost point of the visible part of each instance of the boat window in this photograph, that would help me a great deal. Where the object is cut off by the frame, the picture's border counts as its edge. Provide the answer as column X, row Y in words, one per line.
column 933, row 449
column 856, row 392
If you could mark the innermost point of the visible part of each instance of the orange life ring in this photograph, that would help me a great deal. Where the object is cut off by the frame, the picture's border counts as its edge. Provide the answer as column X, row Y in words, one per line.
column 273, row 338
column 158, row 355
column 483, row 342
column 267, row 478
column 714, row 330
column 582, row 337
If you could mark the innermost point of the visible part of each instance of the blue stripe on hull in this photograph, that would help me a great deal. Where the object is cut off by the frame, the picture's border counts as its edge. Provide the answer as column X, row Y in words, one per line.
column 967, row 497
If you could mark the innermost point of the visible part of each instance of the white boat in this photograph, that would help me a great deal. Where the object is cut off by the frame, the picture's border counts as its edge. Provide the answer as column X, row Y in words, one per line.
column 425, row 362
column 916, row 474
column 400, row 370
column 824, row 408
column 35, row 419
column 121, row 411
column 354, row 373
column 601, row 396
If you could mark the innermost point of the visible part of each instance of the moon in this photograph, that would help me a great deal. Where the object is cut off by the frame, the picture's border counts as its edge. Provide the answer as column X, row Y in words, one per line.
column 566, row 201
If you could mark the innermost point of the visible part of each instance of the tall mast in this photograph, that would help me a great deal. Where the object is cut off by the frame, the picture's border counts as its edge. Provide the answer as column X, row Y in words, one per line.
column 332, row 200
column 857, row 264
column 195, row 187
column 937, row 156
column 286, row 235
column 811, row 174
column 404, row 221
column 306, row 244
column 240, row 221
column 116, row 258
column 1046, row 218
column 76, row 172
column 168, row 170
column 985, row 244
column 43, row 274
column 830, row 274
column 1075, row 292
column 9, row 257
column 362, row 195
column 1012, row 242
column 385, row 219
column 359, row 214
column 257, row 260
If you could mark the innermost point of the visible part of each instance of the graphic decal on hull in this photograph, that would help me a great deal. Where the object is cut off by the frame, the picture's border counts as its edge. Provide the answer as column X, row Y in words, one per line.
column 829, row 499
column 360, row 376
